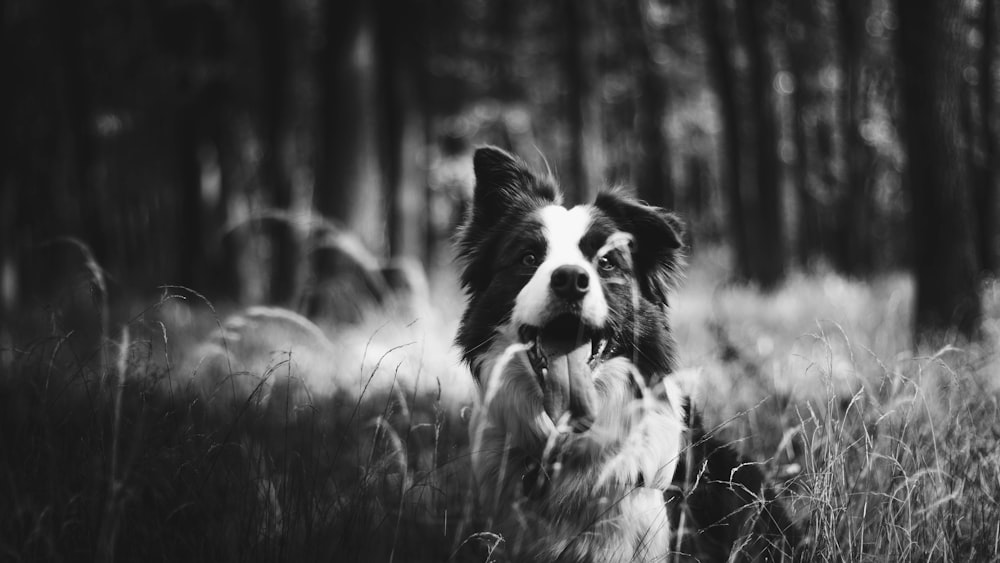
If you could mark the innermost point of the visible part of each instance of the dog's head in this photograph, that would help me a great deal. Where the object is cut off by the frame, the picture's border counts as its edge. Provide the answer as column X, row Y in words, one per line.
column 558, row 279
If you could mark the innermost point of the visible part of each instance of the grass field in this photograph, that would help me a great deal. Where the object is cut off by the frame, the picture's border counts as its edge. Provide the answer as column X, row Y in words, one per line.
column 153, row 441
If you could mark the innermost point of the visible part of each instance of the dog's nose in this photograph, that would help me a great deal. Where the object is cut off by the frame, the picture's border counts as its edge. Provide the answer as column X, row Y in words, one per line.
column 570, row 282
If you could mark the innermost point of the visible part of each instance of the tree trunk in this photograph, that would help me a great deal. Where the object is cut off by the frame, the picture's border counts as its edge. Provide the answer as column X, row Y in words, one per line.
column 353, row 149
column 723, row 75
column 9, row 274
column 349, row 183
column 802, row 64
column 651, row 165
column 505, row 29
column 88, row 191
column 585, row 154
column 230, row 244
column 933, row 53
column 986, row 193
column 769, row 268
column 855, row 211
column 191, row 259
column 404, row 131
column 286, row 249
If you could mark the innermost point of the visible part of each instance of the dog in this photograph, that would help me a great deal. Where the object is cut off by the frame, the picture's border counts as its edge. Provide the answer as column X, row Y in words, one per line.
column 581, row 441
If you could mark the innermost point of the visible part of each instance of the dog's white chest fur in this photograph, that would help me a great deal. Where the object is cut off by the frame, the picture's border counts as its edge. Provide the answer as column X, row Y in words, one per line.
column 603, row 494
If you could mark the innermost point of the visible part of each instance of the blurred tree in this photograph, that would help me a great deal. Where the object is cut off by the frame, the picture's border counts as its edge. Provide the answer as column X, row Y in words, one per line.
column 986, row 161
column 651, row 161
column 854, row 213
column 9, row 275
column 582, row 115
column 354, row 160
column 165, row 123
column 767, row 255
column 723, row 73
column 933, row 53
column 195, row 37
column 803, row 45
column 504, row 27
column 348, row 176
column 402, row 29
column 70, row 20
column 278, row 145
column 195, row 109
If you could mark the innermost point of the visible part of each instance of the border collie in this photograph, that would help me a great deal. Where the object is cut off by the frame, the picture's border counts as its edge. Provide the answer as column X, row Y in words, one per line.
column 578, row 430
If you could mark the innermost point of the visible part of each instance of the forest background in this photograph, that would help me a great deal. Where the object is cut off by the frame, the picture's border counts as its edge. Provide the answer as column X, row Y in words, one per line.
column 835, row 163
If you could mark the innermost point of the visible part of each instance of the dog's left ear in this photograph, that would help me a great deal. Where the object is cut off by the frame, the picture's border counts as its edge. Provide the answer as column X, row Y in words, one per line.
column 658, row 237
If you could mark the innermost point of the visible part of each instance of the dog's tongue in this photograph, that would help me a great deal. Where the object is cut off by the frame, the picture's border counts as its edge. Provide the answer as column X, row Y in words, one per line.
column 568, row 383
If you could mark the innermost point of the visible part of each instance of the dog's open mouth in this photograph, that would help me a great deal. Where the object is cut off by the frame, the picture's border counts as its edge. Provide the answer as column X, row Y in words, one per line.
column 564, row 354
column 563, row 335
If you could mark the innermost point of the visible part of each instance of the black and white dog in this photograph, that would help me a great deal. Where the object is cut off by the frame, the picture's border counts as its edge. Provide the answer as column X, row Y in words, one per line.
column 579, row 431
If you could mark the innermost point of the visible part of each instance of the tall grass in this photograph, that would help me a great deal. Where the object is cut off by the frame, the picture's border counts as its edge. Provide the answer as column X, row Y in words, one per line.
column 884, row 453
column 113, row 447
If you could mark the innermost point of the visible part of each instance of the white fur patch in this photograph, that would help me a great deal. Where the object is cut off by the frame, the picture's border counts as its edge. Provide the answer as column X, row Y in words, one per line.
column 563, row 228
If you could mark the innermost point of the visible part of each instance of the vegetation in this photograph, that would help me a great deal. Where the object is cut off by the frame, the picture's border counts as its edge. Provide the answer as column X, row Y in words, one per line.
column 880, row 452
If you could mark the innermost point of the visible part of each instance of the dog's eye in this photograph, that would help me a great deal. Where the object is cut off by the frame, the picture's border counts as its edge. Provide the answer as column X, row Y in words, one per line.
column 605, row 264
column 529, row 259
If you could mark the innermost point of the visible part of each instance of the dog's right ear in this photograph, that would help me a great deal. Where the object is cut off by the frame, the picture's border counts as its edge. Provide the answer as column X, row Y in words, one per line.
column 505, row 188
column 659, row 238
